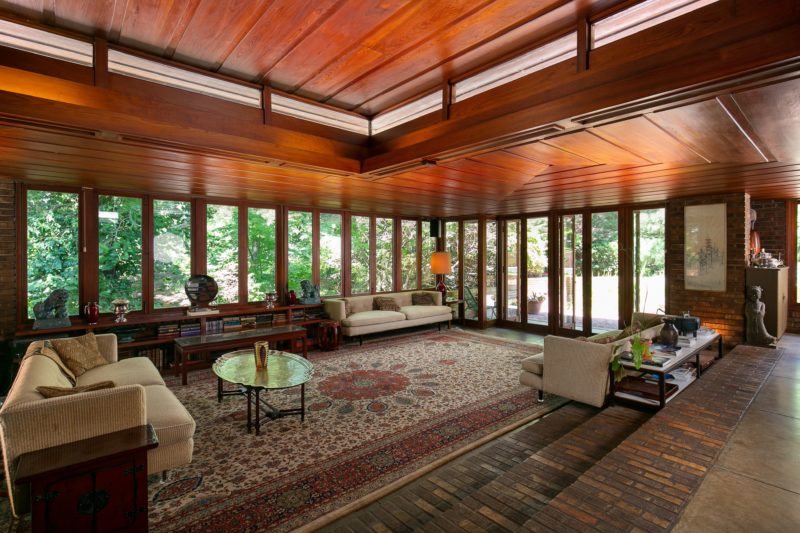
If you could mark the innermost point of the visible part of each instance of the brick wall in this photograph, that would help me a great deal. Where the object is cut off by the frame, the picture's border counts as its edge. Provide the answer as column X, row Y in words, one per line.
column 723, row 311
column 8, row 261
column 771, row 225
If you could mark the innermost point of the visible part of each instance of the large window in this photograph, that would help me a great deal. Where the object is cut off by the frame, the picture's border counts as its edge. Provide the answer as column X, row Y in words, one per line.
column 330, row 254
column 408, row 253
column 649, row 282
column 172, row 261
column 300, row 252
column 260, row 253
column 451, row 245
column 384, row 249
column 605, row 271
column 513, row 289
column 571, row 282
column 537, row 270
column 491, row 270
column 52, row 249
column 471, row 292
column 119, row 251
column 359, row 255
column 222, row 250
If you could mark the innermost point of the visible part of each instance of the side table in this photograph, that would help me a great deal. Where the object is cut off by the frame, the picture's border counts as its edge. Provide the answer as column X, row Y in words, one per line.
column 460, row 306
column 96, row 484
column 328, row 335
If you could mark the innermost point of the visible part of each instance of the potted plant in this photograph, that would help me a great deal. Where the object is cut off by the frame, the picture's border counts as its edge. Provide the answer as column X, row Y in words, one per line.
column 535, row 303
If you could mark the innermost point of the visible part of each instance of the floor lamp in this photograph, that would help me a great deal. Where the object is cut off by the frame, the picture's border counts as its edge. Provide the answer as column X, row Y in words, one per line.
column 440, row 265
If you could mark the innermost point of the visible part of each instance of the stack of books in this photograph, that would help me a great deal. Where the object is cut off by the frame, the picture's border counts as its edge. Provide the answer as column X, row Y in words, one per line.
column 279, row 318
column 298, row 314
column 687, row 340
column 156, row 356
column 248, row 321
column 168, row 330
column 263, row 319
column 214, row 326
column 231, row 324
column 190, row 330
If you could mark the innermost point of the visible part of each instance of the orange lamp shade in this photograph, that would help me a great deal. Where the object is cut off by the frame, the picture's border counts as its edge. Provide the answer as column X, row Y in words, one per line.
column 440, row 263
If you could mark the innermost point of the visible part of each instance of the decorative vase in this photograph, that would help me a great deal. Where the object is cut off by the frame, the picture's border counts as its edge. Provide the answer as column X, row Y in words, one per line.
column 669, row 333
column 261, row 351
column 92, row 313
column 292, row 298
column 120, row 309
column 534, row 307
column 201, row 290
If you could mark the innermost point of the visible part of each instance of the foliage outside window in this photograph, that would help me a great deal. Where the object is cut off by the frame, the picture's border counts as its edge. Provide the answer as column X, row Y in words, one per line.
column 451, row 244
column 537, row 254
column 261, row 250
column 120, row 251
column 428, row 247
column 649, row 282
column 330, row 254
column 471, row 289
column 52, row 249
column 384, row 257
column 222, row 249
column 408, row 253
column 605, row 271
column 491, row 270
column 300, row 250
column 172, row 261
column 359, row 255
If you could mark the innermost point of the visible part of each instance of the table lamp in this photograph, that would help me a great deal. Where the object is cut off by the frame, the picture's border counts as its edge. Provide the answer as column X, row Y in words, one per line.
column 440, row 265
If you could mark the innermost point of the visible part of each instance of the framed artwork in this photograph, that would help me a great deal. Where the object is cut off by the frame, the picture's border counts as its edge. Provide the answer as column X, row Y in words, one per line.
column 705, row 245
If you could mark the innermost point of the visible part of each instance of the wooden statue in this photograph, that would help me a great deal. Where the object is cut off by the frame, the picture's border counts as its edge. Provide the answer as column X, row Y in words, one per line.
column 754, row 311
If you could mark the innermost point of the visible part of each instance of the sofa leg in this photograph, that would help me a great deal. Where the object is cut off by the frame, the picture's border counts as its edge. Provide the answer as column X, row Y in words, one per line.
column 439, row 325
column 360, row 340
column 164, row 476
column 541, row 396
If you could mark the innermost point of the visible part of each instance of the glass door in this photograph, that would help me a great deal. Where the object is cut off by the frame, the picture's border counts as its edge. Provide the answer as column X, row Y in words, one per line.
column 470, row 270
column 571, row 276
column 491, row 270
column 649, row 248
column 513, row 302
column 605, row 271
column 537, row 305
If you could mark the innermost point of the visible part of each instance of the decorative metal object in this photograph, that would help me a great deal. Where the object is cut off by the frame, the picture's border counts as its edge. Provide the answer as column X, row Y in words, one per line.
column 120, row 309
column 261, row 353
column 201, row 290
column 310, row 293
column 92, row 313
column 52, row 311
column 669, row 333
column 271, row 299
column 754, row 311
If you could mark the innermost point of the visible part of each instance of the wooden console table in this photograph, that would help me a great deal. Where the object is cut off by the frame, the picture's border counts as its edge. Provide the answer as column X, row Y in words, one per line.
column 184, row 346
column 96, row 484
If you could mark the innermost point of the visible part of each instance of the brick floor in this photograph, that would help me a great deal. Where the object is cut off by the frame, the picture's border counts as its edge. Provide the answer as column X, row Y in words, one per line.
column 580, row 468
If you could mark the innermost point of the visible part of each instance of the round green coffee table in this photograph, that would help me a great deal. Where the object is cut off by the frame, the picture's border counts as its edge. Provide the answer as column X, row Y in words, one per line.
column 284, row 370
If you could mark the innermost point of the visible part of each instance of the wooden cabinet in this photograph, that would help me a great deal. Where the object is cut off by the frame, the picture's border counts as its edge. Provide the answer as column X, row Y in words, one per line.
column 774, row 283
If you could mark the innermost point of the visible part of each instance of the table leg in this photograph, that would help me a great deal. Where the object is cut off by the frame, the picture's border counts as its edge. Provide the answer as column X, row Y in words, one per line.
column 249, row 408
column 662, row 390
column 178, row 361
column 219, row 390
column 719, row 347
column 258, row 412
column 305, row 348
column 303, row 402
column 698, row 363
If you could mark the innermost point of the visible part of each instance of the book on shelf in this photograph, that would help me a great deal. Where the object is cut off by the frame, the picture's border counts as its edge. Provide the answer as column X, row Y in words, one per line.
column 231, row 324
column 169, row 330
column 248, row 321
column 214, row 326
column 202, row 312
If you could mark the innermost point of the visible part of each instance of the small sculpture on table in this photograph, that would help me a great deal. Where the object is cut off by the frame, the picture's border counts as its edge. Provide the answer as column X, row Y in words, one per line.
column 310, row 293
column 754, row 311
column 52, row 311
column 201, row 291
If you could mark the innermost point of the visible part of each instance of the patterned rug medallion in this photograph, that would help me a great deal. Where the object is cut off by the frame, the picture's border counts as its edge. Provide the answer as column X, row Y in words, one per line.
column 375, row 414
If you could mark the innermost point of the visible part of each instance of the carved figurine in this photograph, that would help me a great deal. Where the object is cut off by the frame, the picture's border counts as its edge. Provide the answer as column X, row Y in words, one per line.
column 754, row 311
column 310, row 293
column 55, row 306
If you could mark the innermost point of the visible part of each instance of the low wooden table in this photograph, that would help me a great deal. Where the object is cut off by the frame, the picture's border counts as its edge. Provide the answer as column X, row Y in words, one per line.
column 184, row 346
column 96, row 484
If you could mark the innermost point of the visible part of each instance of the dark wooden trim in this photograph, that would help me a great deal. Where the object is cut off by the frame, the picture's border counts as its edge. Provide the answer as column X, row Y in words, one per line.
column 460, row 273
column 419, row 254
column 373, row 255
column 481, row 292
column 553, row 271
column 791, row 253
column 397, row 265
column 100, row 70
column 266, row 105
column 148, row 282
column 522, row 298
column 20, row 199
column 626, row 268
column 314, row 247
column 584, row 42
column 89, row 263
column 282, row 251
column 198, row 252
column 447, row 99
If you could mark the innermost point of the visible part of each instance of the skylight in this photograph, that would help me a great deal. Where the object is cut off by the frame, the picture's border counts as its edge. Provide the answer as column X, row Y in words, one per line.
column 156, row 72
column 319, row 114
column 45, row 43
column 406, row 113
column 522, row 65
column 640, row 17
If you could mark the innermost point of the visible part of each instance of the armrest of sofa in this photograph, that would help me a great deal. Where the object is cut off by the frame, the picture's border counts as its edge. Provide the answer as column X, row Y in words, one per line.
column 335, row 309
column 577, row 370
column 40, row 424
column 107, row 344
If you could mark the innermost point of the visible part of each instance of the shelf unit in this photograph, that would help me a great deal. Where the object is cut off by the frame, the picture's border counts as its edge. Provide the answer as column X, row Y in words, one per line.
column 148, row 337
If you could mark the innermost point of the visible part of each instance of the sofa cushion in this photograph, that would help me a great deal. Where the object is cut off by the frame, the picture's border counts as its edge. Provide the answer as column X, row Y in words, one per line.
column 46, row 349
column 130, row 371
column 385, row 303
column 57, row 392
column 413, row 312
column 357, row 304
column 169, row 417
column 422, row 298
column 369, row 318
column 534, row 364
column 80, row 354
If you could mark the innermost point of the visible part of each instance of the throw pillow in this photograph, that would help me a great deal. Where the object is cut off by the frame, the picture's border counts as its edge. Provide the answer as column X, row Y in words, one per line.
column 80, row 354
column 47, row 350
column 385, row 303
column 422, row 298
column 55, row 392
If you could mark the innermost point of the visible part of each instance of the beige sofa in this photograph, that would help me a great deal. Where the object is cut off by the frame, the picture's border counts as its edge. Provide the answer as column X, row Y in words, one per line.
column 363, row 319
column 30, row 422
column 579, row 369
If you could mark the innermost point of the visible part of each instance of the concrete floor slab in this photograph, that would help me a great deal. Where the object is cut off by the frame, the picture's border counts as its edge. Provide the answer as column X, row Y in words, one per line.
column 730, row 502
column 788, row 367
column 779, row 395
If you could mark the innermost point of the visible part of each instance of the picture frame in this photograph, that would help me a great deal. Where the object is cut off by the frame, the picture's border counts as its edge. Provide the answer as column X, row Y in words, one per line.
column 705, row 247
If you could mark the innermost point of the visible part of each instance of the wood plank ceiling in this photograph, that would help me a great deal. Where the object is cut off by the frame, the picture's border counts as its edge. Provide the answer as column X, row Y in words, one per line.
column 748, row 140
